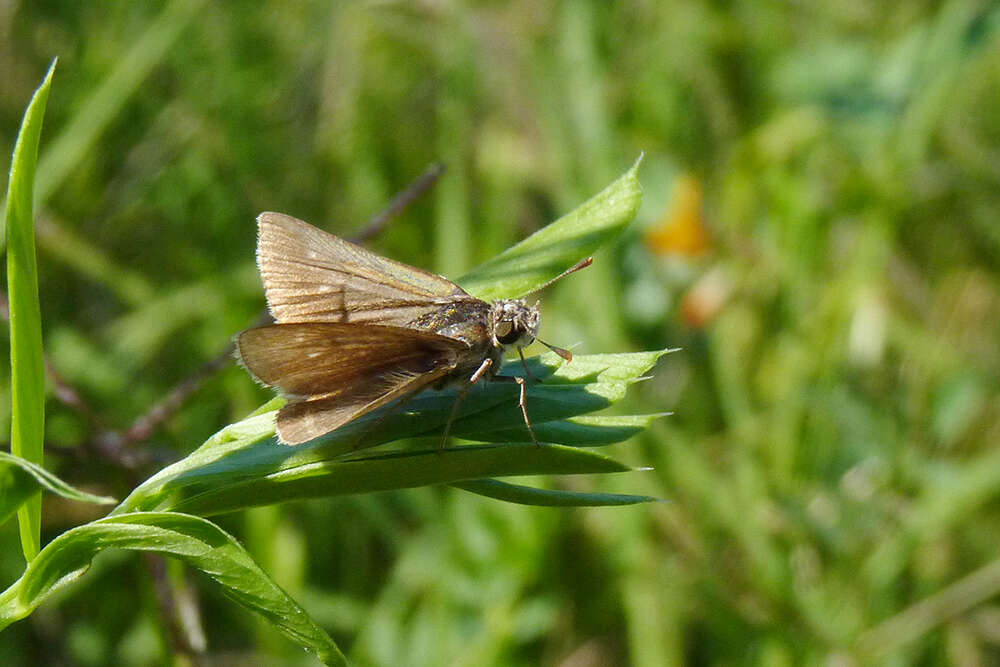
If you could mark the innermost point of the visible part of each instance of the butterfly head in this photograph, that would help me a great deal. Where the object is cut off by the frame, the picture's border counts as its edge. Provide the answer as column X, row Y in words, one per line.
column 514, row 322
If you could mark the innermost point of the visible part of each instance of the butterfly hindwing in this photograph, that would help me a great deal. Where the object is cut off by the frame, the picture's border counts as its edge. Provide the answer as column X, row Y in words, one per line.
column 333, row 372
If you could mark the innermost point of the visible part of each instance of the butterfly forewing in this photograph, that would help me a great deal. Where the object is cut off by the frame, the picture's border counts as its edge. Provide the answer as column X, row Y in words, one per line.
column 335, row 372
column 312, row 276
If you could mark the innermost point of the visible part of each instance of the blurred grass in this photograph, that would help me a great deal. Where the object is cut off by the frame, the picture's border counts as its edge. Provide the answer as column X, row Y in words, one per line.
column 831, row 463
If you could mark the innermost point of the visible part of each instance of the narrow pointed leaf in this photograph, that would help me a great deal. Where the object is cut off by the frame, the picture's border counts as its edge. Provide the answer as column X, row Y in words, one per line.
column 197, row 494
column 582, row 431
column 527, row 495
column 554, row 248
column 27, row 368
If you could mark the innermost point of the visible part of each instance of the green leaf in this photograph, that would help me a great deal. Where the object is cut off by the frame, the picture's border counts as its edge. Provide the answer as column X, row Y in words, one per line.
column 384, row 472
column 588, row 383
column 243, row 466
column 582, row 431
column 554, row 248
column 527, row 495
column 21, row 479
column 27, row 366
column 197, row 542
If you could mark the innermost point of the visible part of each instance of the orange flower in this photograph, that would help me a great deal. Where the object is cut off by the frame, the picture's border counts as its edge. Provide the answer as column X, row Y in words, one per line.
column 681, row 230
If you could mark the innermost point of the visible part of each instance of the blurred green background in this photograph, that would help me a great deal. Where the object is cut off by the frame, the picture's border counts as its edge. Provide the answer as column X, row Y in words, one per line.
column 819, row 234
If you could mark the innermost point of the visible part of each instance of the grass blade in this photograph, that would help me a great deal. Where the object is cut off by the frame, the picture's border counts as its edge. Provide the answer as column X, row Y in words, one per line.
column 27, row 366
column 528, row 495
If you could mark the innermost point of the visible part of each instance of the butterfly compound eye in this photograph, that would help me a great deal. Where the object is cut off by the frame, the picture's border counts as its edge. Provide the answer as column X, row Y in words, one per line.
column 506, row 333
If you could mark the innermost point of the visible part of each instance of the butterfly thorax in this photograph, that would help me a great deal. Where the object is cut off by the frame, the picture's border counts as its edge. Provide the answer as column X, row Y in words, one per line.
column 486, row 328
column 467, row 320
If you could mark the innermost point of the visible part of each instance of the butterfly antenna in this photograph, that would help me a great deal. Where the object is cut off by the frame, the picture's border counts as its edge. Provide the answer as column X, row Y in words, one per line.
column 565, row 354
column 582, row 264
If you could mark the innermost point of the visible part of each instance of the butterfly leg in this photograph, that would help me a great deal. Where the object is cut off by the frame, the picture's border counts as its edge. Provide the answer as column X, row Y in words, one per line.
column 520, row 353
column 480, row 372
column 522, row 401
